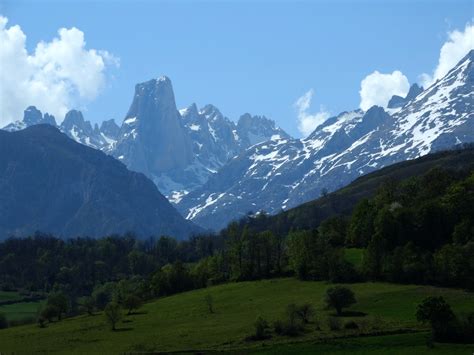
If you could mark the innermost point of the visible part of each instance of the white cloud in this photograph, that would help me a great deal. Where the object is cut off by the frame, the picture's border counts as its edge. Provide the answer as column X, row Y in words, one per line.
column 308, row 122
column 453, row 50
column 378, row 88
column 57, row 76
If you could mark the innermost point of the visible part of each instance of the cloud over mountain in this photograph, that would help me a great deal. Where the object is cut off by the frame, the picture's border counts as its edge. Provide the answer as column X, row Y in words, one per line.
column 452, row 51
column 58, row 75
column 377, row 88
column 307, row 122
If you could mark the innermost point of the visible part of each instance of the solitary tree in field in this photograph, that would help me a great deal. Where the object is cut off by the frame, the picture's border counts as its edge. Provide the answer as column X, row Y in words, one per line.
column 132, row 302
column 209, row 302
column 339, row 297
column 113, row 314
column 437, row 312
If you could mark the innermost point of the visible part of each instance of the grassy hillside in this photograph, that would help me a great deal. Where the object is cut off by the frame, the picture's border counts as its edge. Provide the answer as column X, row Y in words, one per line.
column 182, row 322
column 341, row 202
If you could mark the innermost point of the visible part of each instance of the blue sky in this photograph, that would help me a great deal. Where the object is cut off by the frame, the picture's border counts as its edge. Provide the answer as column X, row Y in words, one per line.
column 244, row 56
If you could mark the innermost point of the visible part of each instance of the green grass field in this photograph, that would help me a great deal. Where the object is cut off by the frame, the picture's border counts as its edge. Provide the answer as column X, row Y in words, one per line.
column 182, row 322
column 20, row 310
column 9, row 296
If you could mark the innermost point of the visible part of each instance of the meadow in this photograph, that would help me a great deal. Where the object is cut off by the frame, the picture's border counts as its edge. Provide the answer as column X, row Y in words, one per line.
column 385, row 314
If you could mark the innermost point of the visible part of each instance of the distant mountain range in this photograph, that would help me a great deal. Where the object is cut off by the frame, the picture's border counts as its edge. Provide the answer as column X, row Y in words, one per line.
column 216, row 170
column 50, row 183
column 178, row 150
column 283, row 173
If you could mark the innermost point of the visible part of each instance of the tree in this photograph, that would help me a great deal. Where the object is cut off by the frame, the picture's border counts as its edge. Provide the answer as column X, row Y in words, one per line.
column 305, row 312
column 132, row 302
column 113, row 314
column 339, row 297
column 89, row 305
column 209, row 302
column 60, row 302
column 49, row 312
column 434, row 310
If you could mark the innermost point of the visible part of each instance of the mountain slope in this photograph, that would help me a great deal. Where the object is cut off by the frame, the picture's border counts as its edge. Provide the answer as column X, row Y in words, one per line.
column 50, row 183
column 284, row 173
column 341, row 202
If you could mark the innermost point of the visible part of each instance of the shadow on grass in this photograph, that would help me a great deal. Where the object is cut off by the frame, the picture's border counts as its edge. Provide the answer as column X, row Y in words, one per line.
column 352, row 314
column 126, row 329
column 138, row 313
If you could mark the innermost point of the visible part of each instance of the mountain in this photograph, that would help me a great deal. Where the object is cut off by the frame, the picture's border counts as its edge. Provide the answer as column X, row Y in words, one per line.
column 74, row 126
column 180, row 150
column 283, row 173
column 52, row 184
column 342, row 202
column 398, row 101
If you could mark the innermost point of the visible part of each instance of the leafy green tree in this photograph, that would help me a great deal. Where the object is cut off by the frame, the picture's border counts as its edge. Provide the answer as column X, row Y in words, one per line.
column 339, row 297
column 361, row 225
column 209, row 300
column 434, row 310
column 89, row 305
column 60, row 301
column 113, row 314
column 132, row 302
column 49, row 312
column 437, row 312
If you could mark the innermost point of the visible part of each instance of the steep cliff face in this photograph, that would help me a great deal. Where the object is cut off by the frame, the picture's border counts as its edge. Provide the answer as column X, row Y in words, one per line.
column 152, row 138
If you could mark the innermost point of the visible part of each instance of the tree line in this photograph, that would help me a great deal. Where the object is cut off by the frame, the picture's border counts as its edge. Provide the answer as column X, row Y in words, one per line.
column 419, row 230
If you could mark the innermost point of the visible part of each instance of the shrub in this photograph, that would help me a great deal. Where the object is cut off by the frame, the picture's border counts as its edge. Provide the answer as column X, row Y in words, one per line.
column 261, row 325
column 3, row 321
column 334, row 323
column 113, row 314
column 339, row 297
column 305, row 312
column 292, row 324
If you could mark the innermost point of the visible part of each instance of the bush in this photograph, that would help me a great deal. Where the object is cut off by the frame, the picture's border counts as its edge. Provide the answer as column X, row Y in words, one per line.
column 3, row 321
column 305, row 312
column 339, row 297
column 351, row 325
column 261, row 325
column 334, row 323
column 444, row 324
column 113, row 314
column 292, row 325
